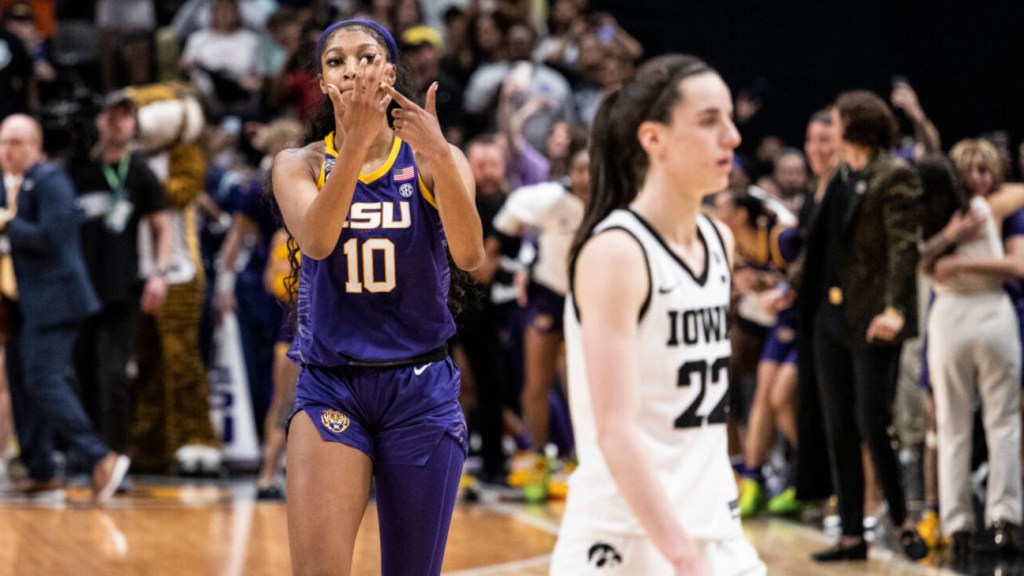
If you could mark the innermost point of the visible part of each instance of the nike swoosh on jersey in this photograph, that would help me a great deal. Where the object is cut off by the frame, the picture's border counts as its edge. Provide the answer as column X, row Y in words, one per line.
column 421, row 369
column 666, row 289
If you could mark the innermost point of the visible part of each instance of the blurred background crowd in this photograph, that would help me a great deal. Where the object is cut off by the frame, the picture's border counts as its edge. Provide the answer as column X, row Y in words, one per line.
column 179, row 106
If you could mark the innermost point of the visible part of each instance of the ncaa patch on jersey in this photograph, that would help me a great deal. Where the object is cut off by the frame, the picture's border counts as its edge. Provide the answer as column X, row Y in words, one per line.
column 334, row 421
column 406, row 190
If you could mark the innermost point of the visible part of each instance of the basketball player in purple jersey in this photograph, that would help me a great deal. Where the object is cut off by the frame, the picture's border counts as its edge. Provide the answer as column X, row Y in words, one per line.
column 375, row 208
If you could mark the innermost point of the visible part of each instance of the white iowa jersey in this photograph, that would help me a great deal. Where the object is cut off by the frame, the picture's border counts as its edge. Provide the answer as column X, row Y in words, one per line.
column 683, row 351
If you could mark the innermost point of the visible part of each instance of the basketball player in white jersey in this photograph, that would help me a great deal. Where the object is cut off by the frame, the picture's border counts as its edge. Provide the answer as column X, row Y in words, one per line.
column 646, row 338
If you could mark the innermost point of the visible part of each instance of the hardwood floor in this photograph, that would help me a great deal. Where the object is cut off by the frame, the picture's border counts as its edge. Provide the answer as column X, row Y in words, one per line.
column 169, row 528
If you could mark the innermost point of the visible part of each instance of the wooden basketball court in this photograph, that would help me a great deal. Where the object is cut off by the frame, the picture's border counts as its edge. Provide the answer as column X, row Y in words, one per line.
column 170, row 528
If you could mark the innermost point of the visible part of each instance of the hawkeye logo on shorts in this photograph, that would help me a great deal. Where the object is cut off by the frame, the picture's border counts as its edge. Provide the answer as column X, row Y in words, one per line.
column 602, row 555
column 334, row 421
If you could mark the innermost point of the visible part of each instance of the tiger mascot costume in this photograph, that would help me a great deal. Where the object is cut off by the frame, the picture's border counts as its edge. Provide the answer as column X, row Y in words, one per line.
column 171, row 430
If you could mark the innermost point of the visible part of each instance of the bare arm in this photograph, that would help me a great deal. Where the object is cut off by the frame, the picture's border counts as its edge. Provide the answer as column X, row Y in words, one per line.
column 959, row 228
column 925, row 133
column 484, row 274
column 610, row 287
column 446, row 172
column 316, row 217
column 1007, row 200
column 154, row 293
column 453, row 181
column 160, row 227
column 1009, row 267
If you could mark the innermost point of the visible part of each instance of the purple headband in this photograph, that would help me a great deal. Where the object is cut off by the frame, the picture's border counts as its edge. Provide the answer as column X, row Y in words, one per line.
column 388, row 39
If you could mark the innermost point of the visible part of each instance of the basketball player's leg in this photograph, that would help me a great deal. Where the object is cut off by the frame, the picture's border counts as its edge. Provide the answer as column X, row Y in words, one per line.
column 421, row 449
column 760, row 425
column 328, row 486
column 540, row 349
column 783, row 400
column 330, row 463
column 285, row 374
column 414, row 505
column 758, row 441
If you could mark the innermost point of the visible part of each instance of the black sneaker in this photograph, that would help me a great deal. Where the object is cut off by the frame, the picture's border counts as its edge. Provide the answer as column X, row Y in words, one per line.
column 913, row 546
column 270, row 493
column 838, row 553
column 963, row 544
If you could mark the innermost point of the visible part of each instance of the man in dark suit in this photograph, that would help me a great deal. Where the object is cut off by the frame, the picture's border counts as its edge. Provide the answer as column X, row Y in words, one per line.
column 49, row 297
column 857, row 306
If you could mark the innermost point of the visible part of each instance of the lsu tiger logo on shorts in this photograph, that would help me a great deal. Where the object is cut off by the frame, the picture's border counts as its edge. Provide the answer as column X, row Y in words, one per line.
column 334, row 421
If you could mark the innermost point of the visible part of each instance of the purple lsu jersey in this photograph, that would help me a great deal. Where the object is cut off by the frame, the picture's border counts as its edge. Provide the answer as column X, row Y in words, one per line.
column 382, row 294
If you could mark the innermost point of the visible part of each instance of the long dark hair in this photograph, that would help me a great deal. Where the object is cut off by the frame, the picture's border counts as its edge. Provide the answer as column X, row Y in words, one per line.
column 321, row 125
column 617, row 162
column 944, row 193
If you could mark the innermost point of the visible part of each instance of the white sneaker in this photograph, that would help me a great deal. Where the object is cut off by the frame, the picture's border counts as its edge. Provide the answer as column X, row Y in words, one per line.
column 209, row 459
column 104, row 488
column 187, row 459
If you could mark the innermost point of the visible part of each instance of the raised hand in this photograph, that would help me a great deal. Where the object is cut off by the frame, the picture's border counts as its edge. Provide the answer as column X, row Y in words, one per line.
column 905, row 98
column 419, row 126
column 359, row 109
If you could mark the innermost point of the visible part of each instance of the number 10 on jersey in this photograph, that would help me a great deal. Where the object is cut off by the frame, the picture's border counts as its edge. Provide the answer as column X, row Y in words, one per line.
column 371, row 249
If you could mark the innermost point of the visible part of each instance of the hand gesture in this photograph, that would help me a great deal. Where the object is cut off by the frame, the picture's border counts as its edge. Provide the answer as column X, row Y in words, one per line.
column 885, row 327
column 419, row 126
column 359, row 110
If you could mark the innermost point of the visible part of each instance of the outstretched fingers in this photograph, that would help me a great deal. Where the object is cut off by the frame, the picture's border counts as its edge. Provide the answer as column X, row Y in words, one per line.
column 369, row 77
column 398, row 97
column 431, row 103
column 339, row 100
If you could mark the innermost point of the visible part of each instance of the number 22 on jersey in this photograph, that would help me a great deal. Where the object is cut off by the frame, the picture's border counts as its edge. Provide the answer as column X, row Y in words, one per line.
column 700, row 372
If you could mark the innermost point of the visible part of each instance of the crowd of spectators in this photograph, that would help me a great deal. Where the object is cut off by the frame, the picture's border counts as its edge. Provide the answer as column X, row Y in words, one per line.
column 177, row 108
